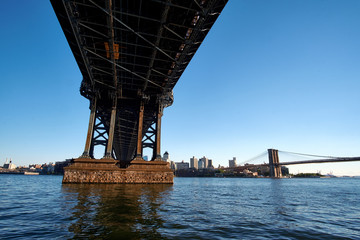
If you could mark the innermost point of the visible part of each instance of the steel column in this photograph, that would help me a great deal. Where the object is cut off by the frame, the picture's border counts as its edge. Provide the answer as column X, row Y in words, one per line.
column 140, row 132
column 90, row 132
column 158, row 133
column 109, row 147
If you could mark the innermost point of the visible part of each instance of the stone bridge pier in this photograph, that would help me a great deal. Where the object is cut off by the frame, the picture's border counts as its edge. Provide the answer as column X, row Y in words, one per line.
column 275, row 168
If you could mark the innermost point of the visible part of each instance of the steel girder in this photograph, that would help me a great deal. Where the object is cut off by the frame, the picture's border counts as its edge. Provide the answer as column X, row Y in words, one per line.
column 133, row 52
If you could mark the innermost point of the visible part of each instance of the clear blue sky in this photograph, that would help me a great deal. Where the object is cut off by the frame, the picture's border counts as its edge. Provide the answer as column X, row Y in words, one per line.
column 270, row 74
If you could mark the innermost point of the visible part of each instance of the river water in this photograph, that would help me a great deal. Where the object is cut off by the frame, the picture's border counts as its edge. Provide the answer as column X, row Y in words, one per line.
column 193, row 208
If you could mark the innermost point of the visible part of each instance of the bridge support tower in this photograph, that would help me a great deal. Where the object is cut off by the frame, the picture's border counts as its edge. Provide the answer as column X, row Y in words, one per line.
column 111, row 169
column 275, row 168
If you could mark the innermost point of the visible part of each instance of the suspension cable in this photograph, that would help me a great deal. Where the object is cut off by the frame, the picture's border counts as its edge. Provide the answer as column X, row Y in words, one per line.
column 309, row 155
column 254, row 158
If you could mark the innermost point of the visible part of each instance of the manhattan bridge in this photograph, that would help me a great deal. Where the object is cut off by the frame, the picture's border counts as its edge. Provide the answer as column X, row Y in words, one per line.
column 131, row 53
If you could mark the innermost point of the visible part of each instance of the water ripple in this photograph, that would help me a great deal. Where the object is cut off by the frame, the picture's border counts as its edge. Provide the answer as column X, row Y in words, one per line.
column 193, row 208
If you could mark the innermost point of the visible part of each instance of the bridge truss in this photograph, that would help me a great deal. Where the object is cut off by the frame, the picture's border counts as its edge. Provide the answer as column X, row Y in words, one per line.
column 131, row 53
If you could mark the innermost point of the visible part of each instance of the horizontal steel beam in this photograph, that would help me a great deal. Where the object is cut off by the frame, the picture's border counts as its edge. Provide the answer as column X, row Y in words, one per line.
column 330, row 160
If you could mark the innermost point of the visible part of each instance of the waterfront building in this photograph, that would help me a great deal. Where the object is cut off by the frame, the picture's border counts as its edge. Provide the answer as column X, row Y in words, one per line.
column 172, row 165
column 232, row 163
column 201, row 164
column 59, row 166
column 249, row 173
column 9, row 165
column 48, row 168
column 284, row 171
column 205, row 162
column 182, row 165
column 194, row 163
column 210, row 165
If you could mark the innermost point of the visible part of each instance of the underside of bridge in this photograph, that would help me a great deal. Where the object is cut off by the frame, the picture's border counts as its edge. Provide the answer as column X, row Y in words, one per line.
column 131, row 53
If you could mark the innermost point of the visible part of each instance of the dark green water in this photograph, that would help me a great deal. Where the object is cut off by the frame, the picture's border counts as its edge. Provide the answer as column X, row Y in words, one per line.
column 40, row 207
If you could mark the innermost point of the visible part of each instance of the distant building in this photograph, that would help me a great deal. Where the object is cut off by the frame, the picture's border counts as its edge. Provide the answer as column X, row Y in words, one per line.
column 59, row 166
column 172, row 165
column 284, row 171
column 250, row 173
column 194, row 163
column 201, row 164
column 263, row 170
column 9, row 165
column 210, row 165
column 182, row 165
column 47, row 168
column 205, row 162
column 166, row 157
column 232, row 163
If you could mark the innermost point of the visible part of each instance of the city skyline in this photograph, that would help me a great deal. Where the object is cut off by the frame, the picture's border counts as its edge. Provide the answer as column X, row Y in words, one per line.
column 270, row 74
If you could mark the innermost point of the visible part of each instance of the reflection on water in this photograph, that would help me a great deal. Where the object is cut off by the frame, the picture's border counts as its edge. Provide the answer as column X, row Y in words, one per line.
column 113, row 211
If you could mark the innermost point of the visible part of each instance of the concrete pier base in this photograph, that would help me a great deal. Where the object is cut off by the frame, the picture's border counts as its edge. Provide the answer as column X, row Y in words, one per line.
column 87, row 170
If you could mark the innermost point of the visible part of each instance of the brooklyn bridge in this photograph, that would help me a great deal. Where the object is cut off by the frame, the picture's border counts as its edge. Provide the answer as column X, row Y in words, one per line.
column 131, row 54
column 274, row 164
